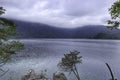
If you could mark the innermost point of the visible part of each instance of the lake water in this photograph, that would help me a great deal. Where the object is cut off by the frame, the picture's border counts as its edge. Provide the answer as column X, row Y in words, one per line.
column 40, row 54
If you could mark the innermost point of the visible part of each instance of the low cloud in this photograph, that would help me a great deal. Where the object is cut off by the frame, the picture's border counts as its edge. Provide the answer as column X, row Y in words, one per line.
column 59, row 13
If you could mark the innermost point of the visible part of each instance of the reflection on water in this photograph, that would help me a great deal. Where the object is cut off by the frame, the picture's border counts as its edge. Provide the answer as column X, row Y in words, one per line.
column 46, row 53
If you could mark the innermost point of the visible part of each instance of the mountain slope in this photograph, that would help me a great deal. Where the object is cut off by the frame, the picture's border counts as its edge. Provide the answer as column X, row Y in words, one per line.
column 38, row 30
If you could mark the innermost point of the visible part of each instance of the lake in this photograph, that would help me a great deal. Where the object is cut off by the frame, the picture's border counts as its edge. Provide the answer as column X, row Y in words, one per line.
column 40, row 54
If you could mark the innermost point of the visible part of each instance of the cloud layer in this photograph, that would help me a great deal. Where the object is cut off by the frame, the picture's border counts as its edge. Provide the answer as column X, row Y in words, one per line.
column 59, row 13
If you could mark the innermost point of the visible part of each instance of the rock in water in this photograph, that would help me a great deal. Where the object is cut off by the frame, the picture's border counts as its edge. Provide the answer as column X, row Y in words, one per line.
column 59, row 76
column 30, row 75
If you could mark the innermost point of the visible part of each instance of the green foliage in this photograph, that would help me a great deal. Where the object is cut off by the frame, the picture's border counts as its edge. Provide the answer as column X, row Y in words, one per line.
column 7, row 29
column 115, row 15
column 69, row 61
column 7, row 47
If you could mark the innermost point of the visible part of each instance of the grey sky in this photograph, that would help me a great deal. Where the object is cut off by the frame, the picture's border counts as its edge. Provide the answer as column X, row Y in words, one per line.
column 60, row 13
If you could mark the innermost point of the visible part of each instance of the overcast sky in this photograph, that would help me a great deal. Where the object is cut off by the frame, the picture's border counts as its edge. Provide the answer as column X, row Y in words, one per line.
column 59, row 13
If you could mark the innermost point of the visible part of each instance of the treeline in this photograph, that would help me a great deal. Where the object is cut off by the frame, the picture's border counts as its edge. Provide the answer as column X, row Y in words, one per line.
column 107, row 36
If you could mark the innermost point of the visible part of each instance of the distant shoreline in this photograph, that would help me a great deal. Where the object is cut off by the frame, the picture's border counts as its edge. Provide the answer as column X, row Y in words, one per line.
column 59, row 39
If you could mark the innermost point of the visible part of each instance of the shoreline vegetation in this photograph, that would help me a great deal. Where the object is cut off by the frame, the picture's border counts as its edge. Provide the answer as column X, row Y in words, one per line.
column 68, row 64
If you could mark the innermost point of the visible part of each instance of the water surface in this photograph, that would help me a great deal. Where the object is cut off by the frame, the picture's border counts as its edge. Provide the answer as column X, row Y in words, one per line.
column 40, row 54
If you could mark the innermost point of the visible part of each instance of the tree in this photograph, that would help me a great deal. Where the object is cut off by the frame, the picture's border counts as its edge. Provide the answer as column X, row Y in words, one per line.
column 7, row 47
column 69, row 63
column 115, row 15
column 2, row 11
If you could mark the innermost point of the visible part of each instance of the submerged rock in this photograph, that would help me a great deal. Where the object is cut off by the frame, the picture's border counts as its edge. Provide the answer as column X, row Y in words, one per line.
column 31, row 75
column 59, row 76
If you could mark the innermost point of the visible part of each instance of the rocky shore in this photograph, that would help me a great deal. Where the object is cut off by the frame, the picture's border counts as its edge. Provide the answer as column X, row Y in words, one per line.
column 31, row 75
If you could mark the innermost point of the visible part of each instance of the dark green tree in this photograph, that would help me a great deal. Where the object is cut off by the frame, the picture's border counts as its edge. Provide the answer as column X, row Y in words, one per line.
column 115, row 15
column 69, row 63
column 7, row 47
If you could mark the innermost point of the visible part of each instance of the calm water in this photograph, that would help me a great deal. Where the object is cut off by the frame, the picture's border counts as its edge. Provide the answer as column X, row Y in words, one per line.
column 40, row 54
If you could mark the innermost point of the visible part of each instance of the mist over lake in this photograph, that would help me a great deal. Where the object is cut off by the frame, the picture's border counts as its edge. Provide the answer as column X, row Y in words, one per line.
column 40, row 54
